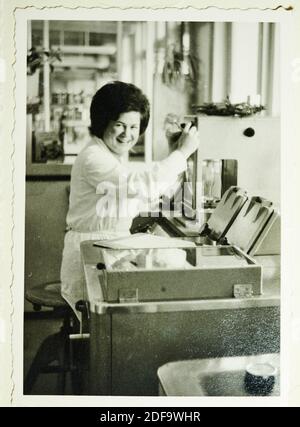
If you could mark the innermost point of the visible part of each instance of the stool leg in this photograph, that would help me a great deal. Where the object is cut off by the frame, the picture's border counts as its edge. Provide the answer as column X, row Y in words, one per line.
column 64, row 362
column 46, row 354
column 66, row 356
column 79, row 364
column 57, row 347
column 75, row 369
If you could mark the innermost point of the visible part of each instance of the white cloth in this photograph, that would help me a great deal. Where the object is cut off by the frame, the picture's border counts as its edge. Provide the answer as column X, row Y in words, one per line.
column 95, row 172
column 72, row 276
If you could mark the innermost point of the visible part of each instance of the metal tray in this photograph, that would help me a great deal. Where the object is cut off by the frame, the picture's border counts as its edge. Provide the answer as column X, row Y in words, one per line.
column 177, row 274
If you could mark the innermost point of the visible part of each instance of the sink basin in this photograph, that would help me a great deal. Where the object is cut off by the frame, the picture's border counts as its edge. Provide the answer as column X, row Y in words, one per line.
column 212, row 377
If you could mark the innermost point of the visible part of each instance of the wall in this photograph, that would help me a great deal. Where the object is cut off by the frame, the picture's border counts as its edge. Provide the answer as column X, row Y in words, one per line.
column 258, row 156
column 46, row 209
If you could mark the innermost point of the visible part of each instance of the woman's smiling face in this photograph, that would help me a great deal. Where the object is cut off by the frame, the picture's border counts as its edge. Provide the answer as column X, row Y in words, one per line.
column 122, row 134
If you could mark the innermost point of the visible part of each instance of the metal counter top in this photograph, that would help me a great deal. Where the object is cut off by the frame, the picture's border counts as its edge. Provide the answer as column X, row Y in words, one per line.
column 91, row 255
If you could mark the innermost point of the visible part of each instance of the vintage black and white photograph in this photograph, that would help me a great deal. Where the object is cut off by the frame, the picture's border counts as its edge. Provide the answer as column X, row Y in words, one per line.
column 150, row 248
column 152, row 222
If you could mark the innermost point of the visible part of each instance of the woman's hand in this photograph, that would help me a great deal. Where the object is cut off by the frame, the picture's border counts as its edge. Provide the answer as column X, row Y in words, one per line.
column 189, row 140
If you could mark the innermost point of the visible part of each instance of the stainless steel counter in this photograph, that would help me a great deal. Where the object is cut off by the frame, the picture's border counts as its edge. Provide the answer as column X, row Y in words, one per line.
column 130, row 341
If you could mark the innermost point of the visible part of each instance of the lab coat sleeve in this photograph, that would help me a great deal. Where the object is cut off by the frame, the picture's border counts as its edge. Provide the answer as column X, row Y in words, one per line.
column 102, row 170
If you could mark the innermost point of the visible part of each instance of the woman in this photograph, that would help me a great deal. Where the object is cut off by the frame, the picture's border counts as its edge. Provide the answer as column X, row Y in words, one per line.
column 119, row 115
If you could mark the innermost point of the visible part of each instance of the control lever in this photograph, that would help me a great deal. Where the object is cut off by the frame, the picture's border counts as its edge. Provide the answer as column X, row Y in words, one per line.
column 83, row 307
column 204, row 230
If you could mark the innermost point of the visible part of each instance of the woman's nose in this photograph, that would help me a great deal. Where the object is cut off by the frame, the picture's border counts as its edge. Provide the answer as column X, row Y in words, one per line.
column 126, row 131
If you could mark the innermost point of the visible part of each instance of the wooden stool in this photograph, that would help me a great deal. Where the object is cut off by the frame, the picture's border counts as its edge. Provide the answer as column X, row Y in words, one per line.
column 56, row 347
column 46, row 295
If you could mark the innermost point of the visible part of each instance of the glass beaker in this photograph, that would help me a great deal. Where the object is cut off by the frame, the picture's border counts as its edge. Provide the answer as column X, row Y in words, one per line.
column 211, row 178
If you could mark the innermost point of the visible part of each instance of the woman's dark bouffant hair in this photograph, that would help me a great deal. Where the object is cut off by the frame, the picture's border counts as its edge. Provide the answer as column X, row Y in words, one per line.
column 116, row 98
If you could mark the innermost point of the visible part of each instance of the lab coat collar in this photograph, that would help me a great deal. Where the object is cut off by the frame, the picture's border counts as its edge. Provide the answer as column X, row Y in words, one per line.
column 99, row 141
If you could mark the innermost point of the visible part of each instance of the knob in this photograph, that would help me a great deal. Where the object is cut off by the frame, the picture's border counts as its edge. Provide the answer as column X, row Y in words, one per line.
column 100, row 266
column 81, row 306
column 249, row 132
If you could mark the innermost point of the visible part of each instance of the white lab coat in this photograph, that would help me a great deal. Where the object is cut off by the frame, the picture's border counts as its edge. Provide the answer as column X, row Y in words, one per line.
column 96, row 211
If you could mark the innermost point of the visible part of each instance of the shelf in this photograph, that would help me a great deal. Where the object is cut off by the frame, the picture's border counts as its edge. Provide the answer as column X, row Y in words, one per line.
column 98, row 64
column 74, row 123
column 48, row 169
column 66, row 74
column 88, row 50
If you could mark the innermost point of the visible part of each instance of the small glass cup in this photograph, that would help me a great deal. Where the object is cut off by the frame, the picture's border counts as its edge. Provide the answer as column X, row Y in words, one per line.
column 260, row 378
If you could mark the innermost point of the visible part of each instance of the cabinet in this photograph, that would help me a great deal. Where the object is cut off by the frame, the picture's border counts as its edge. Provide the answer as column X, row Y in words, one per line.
column 45, row 225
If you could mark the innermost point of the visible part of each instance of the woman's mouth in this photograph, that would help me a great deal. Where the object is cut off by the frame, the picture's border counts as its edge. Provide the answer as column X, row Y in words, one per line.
column 123, row 141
